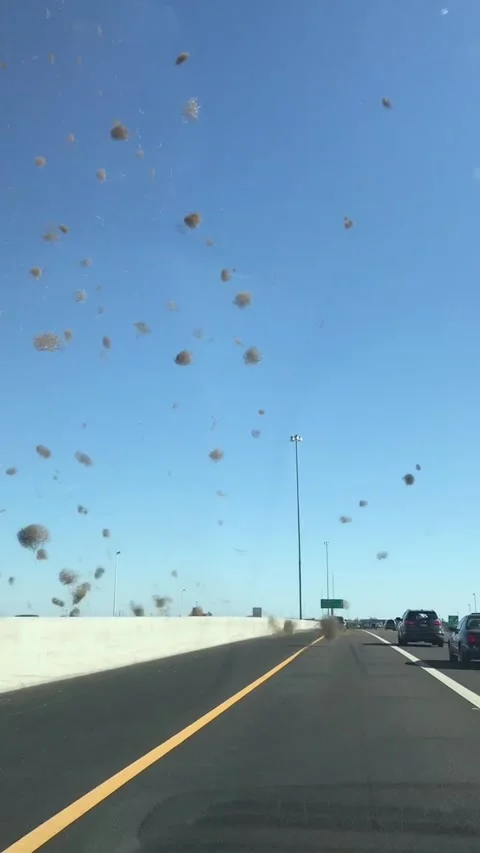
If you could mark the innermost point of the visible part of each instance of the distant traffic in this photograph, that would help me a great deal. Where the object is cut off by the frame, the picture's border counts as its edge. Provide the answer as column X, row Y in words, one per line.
column 425, row 626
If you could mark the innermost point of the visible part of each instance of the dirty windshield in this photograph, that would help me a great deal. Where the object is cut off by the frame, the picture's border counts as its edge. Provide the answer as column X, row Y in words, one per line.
column 239, row 348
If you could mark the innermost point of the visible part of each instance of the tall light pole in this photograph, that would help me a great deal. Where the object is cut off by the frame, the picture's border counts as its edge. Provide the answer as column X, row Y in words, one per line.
column 296, row 439
column 115, row 578
column 475, row 601
column 327, row 572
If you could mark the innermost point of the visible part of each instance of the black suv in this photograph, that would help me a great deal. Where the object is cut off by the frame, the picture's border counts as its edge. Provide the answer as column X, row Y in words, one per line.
column 420, row 626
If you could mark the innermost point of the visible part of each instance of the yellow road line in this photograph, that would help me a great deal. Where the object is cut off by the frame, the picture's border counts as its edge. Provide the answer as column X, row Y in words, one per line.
column 51, row 827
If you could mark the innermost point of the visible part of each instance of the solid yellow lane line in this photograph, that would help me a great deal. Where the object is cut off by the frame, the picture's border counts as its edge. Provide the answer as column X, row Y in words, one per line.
column 57, row 823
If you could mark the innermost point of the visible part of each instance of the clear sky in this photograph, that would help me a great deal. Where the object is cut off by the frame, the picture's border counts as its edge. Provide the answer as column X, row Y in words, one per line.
column 369, row 335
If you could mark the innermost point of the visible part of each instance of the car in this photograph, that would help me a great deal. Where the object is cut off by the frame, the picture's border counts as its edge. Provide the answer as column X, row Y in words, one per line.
column 390, row 625
column 464, row 640
column 420, row 626
column 341, row 623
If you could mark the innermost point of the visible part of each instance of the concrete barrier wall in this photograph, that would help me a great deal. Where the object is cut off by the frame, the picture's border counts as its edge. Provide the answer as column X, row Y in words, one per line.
column 35, row 651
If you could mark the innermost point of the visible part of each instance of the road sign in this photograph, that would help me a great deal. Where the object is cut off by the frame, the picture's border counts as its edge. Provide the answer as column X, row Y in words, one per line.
column 452, row 621
column 332, row 603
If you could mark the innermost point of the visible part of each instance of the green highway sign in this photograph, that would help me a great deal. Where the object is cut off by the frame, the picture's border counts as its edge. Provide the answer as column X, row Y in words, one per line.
column 452, row 621
column 332, row 603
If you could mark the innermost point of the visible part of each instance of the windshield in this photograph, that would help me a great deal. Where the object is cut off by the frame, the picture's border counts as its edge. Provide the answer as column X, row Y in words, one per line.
column 239, row 349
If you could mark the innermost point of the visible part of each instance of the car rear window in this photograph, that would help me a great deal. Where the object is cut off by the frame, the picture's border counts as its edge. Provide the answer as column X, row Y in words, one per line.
column 422, row 614
column 473, row 622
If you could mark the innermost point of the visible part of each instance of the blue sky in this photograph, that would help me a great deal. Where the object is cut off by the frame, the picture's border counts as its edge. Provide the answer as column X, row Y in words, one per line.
column 369, row 336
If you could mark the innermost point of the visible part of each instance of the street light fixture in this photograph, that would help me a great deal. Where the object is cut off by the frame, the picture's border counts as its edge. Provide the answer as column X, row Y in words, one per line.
column 115, row 577
column 296, row 440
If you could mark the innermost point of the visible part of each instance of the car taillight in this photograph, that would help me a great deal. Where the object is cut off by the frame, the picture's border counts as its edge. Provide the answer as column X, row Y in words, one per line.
column 472, row 639
column 436, row 622
column 409, row 622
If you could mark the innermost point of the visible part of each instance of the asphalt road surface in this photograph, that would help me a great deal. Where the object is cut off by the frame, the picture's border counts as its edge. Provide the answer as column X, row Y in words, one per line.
column 351, row 746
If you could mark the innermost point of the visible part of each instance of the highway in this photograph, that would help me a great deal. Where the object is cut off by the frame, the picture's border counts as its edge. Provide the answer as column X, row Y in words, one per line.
column 350, row 746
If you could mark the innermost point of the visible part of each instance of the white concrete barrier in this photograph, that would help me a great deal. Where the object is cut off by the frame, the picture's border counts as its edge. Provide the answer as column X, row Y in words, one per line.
column 35, row 651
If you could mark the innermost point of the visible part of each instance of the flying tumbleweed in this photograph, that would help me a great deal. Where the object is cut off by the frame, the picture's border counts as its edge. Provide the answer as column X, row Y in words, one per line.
column 83, row 459
column 80, row 592
column 67, row 577
column 162, row 602
column 43, row 451
column 184, row 358
column 191, row 109
column 47, row 342
column 33, row 536
column 119, row 132
column 243, row 299
column 252, row 355
column 192, row 220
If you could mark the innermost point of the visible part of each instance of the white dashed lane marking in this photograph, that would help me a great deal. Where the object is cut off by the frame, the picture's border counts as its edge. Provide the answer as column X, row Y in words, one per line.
column 462, row 691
